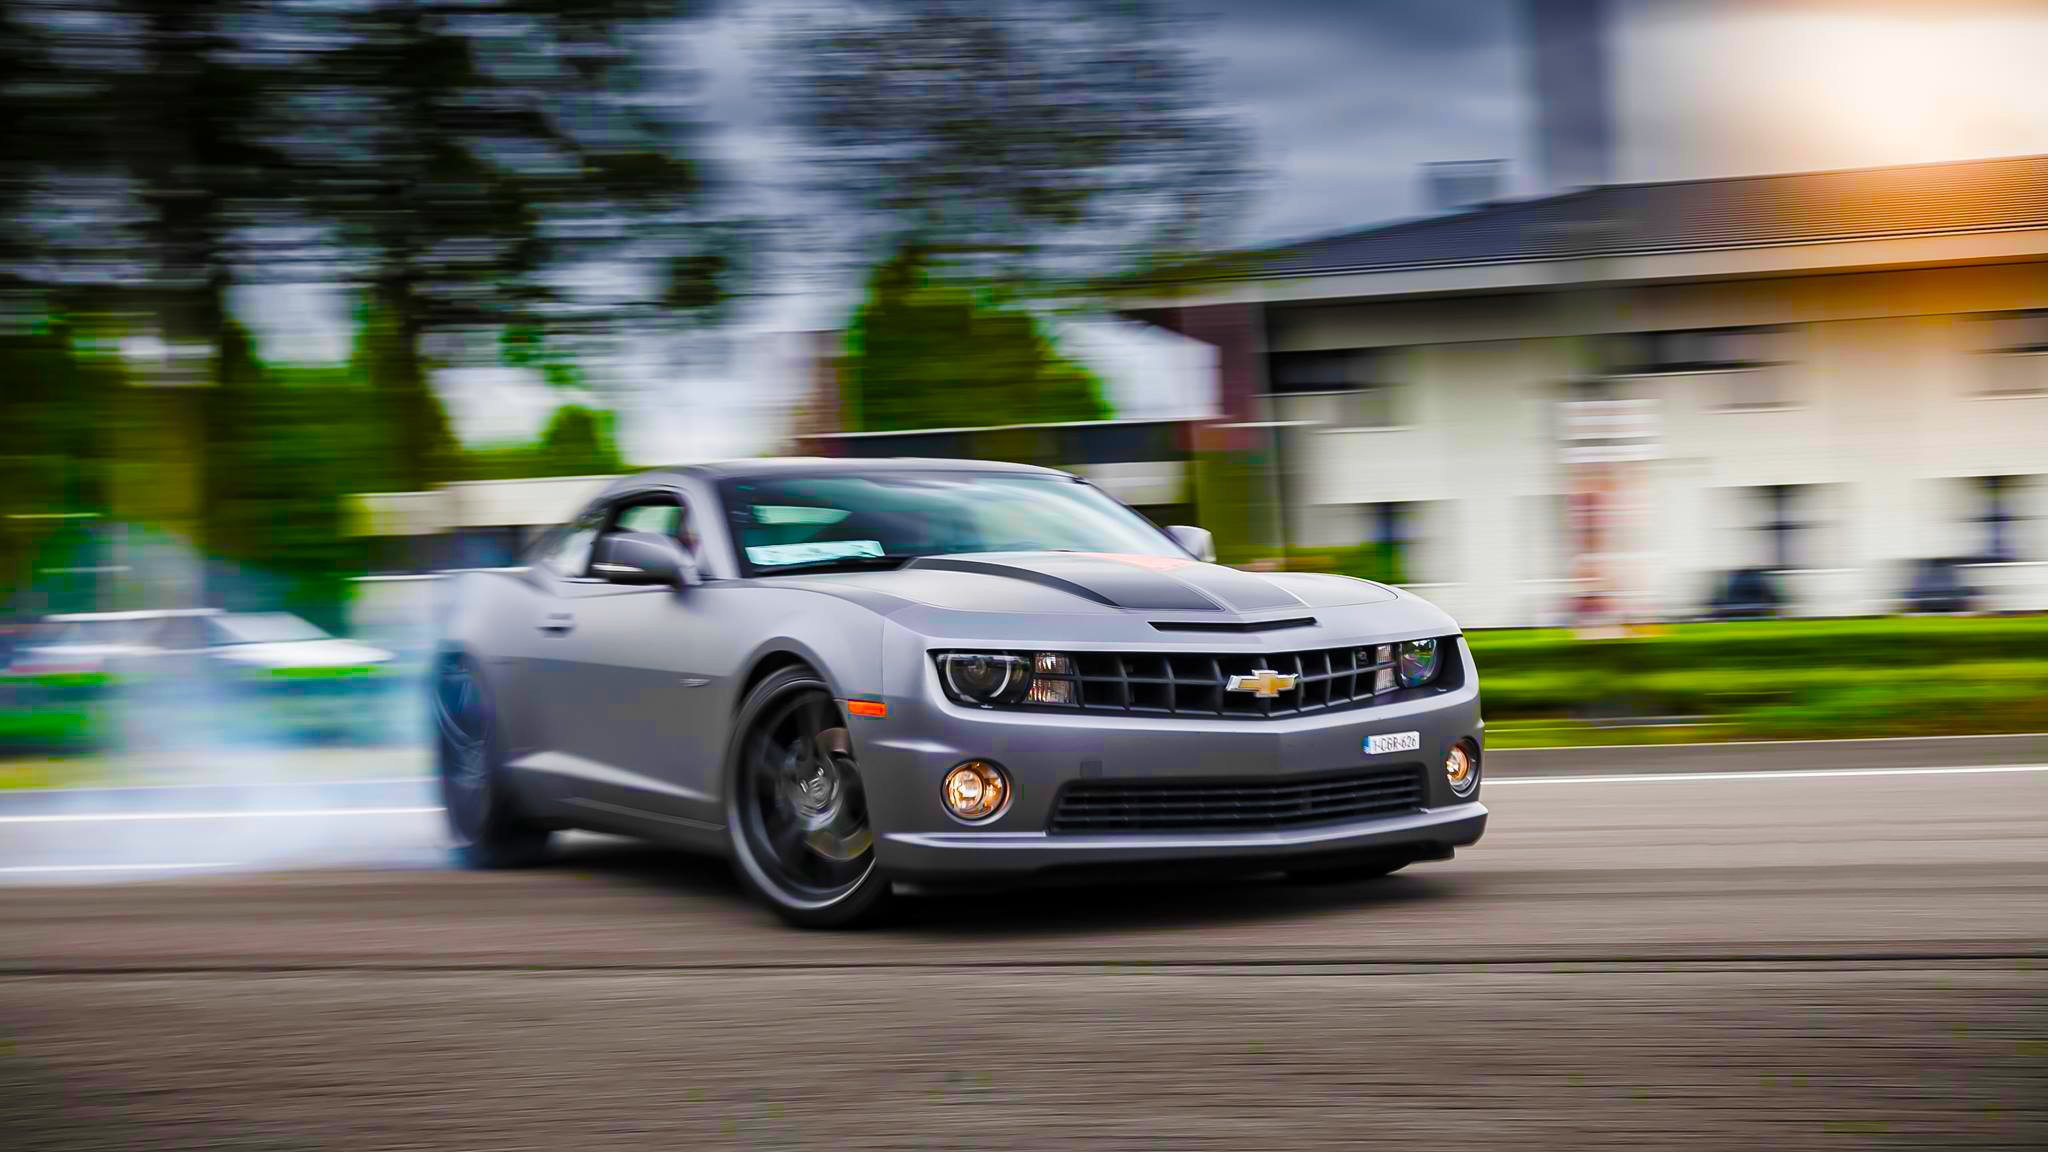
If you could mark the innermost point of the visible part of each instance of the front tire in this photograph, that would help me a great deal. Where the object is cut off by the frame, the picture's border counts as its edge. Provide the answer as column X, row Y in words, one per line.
column 795, row 809
column 484, row 819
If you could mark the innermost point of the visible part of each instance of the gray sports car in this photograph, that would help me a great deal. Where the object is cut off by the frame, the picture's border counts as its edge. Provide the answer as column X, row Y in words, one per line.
column 859, row 676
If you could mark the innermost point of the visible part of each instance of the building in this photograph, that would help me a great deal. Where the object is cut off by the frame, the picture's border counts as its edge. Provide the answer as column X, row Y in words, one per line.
column 1624, row 397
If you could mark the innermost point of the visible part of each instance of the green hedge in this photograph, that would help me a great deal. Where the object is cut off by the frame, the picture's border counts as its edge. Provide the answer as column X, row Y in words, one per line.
column 1784, row 678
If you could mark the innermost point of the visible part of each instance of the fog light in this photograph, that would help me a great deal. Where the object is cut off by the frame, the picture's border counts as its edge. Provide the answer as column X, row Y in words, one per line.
column 1461, row 768
column 975, row 790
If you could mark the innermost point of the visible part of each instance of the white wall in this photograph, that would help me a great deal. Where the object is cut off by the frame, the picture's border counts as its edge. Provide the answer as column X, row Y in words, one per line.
column 1882, row 426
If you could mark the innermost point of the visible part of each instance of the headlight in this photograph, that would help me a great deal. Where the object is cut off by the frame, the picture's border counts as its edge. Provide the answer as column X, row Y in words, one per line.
column 988, row 678
column 1418, row 663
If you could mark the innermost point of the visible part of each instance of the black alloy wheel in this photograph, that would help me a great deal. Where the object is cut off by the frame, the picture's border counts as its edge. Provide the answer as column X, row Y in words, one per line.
column 796, row 807
column 487, row 828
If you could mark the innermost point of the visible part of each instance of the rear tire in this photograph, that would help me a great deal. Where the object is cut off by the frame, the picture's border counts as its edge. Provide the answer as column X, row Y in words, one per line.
column 795, row 809
column 484, row 818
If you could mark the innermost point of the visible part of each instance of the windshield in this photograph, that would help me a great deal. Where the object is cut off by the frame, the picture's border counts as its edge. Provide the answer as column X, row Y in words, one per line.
column 263, row 628
column 880, row 518
column 87, row 633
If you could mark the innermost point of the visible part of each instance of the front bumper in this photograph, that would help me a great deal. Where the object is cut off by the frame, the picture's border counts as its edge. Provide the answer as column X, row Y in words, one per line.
column 1430, row 833
column 906, row 754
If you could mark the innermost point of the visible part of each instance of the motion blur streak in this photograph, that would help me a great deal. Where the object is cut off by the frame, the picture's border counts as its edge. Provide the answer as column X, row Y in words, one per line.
column 1792, row 774
column 245, row 814
column 62, row 868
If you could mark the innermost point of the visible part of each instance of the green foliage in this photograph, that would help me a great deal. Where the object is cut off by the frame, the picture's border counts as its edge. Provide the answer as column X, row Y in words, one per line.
column 278, row 460
column 927, row 353
column 1775, row 679
column 402, row 432
column 1381, row 561
column 1234, row 501
column 55, row 415
column 578, row 441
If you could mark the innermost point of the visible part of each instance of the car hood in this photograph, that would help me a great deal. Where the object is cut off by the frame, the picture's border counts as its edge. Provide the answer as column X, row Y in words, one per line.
column 303, row 654
column 1092, row 582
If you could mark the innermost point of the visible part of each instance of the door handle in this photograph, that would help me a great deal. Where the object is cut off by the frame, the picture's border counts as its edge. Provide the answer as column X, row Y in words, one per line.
column 557, row 623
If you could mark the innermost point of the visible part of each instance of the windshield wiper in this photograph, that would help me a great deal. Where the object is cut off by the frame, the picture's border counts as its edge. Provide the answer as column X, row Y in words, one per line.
column 841, row 562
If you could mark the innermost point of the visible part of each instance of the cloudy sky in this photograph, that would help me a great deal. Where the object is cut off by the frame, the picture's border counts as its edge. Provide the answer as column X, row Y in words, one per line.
column 1345, row 100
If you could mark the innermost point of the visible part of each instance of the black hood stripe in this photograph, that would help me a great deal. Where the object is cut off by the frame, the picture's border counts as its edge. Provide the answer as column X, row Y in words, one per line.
column 1167, row 586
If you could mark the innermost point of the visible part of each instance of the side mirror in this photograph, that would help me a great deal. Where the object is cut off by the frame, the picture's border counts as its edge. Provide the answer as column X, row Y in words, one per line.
column 643, row 558
column 1197, row 541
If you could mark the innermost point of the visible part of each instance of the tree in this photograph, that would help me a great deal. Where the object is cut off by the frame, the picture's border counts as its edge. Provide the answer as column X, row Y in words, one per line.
column 280, row 460
column 465, row 164
column 1061, row 134
column 411, row 447
column 471, row 155
column 923, row 353
column 578, row 441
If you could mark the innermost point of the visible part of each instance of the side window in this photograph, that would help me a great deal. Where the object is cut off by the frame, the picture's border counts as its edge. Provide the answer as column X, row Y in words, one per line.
column 664, row 515
column 566, row 550
column 181, row 634
column 660, row 519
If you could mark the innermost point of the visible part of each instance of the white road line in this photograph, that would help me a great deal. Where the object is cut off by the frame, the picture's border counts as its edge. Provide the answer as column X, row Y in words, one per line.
column 24, row 869
column 237, row 814
column 1765, row 774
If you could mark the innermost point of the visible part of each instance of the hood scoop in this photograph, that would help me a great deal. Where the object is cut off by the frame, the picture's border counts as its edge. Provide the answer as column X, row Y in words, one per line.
column 1234, row 625
column 1143, row 583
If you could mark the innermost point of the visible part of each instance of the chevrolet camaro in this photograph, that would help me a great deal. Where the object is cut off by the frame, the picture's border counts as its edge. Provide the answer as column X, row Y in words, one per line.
column 855, row 678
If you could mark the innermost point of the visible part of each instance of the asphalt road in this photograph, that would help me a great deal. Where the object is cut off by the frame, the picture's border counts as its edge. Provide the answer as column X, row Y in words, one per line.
column 1831, row 960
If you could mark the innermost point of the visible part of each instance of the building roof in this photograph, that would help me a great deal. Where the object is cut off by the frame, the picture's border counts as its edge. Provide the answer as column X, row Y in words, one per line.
column 2000, row 194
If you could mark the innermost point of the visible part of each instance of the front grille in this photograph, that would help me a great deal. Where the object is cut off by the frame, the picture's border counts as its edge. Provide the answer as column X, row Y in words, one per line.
column 1196, row 685
column 1103, row 806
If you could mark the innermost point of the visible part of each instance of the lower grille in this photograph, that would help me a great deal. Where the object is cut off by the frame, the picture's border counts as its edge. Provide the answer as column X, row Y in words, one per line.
column 1218, row 805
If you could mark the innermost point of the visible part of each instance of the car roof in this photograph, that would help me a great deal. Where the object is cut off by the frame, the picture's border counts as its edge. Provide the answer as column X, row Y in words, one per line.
column 844, row 465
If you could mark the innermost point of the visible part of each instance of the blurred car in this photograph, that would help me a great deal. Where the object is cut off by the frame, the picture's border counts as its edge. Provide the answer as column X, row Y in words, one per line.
column 200, row 674
column 1938, row 586
column 1747, row 594
column 171, row 639
column 103, row 644
column 846, row 675
column 282, row 642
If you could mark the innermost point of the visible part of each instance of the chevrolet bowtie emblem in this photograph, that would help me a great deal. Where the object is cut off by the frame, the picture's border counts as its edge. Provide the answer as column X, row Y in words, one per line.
column 1263, row 683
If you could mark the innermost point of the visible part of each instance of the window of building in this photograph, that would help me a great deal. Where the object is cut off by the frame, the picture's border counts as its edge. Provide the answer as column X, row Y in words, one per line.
column 1362, row 374
column 1998, row 497
column 1692, row 350
column 2014, row 346
column 1745, row 364
column 1391, row 525
column 1784, row 527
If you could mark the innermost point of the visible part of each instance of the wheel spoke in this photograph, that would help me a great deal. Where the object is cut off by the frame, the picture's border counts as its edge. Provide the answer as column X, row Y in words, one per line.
column 804, row 815
column 786, row 841
column 832, row 743
column 817, row 714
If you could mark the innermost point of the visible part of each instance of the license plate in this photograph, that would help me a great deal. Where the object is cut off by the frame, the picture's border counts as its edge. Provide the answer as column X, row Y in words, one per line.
column 1393, row 742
